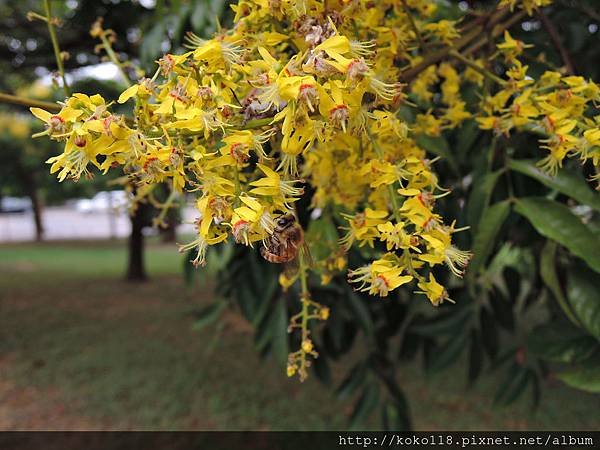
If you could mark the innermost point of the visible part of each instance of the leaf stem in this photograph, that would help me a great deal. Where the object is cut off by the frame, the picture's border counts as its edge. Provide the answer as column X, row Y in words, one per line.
column 113, row 57
column 238, row 188
column 391, row 190
column 305, row 299
column 413, row 25
column 55, row 46
column 166, row 206
column 473, row 65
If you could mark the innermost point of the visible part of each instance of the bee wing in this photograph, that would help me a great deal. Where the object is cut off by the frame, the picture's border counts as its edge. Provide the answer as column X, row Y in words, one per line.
column 291, row 268
column 308, row 259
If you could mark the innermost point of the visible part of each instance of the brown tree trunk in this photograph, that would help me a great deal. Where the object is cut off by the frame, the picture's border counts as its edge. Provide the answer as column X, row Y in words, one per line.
column 30, row 187
column 169, row 233
column 135, row 267
column 37, row 213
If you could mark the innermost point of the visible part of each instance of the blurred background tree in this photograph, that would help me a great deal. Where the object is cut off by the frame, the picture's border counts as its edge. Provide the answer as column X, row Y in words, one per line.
column 527, row 308
column 145, row 30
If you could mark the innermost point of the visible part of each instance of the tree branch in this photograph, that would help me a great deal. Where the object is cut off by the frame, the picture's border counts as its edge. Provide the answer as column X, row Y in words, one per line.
column 474, row 31
column 22, row 101
column 553, row 32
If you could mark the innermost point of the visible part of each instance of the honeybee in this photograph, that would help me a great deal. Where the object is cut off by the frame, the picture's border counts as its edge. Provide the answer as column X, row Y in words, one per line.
column 286, row 242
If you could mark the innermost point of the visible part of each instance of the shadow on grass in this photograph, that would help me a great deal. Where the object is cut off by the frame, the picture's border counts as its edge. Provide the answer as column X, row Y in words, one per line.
column 122, row 356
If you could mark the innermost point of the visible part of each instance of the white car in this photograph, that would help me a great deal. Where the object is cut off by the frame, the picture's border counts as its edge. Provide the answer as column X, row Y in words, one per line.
column 15, row 205
column 104, row 201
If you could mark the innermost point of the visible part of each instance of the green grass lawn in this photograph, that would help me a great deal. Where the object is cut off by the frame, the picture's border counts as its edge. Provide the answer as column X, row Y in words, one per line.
column 103, row 353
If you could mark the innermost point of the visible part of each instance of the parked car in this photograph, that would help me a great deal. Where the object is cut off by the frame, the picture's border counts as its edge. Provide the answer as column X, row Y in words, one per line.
column 15, row 205
column 103, row 201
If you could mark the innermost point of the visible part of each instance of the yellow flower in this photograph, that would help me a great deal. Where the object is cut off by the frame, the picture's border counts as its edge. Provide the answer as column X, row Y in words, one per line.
column 511, row 48
column 58, row 125
column 380, row 172
column 251, row 222
column 238, row 143
column 380, row 277
column 434, row 291
column 395, row 236
column 441, row 250
column 281, row 191
column 417, row 212
column 443, row 30
column 217, row 54
column 307, row 346
column 363, row 227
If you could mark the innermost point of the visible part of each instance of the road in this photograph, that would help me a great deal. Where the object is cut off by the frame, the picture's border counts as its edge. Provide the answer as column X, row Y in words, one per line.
column 62, row 223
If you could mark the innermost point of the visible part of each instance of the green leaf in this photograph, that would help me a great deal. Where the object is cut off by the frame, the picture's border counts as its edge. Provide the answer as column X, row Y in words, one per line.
column 446, row 324
column 151, row 47
column 565, row 181
column 365, row 405
column 396, row 416
column 585, row 377
column 361, row 312
column 189, row 271
column 556, row 221
column 208, row 315
column 323, row 237
column 406, row 113
column 264, row 331
column 559, row 342
column 475, row 357
column 489, row 332
column 249, row 304
column 480, row 198
column 439, row 147
column 279, row 334
column 447, row 353
column 263, row 302
column 352, row 382
column 549, row 276
column 489, row 226
column 467, row 135
column 199, row 17
column 179, row 21
column 322, row 370
column 514, row 384
column 583, row 293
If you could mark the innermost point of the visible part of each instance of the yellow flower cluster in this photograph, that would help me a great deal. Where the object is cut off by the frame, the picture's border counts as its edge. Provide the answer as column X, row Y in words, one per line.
column 555, row 106
column 306, row 93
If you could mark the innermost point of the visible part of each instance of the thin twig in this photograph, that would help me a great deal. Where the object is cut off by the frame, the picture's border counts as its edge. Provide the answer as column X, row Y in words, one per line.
column 113, row 57
column 23, row 101
column 473, row 65
column 437, row 56
column 413, row 25
column 584, row 8
column 496, row 31
column 553, row 32
column 55, row 46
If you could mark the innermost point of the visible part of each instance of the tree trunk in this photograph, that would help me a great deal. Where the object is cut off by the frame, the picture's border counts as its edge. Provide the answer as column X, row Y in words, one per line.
column 37, row 213
column 169, row 233
column 135, row 267
column 30, row 188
